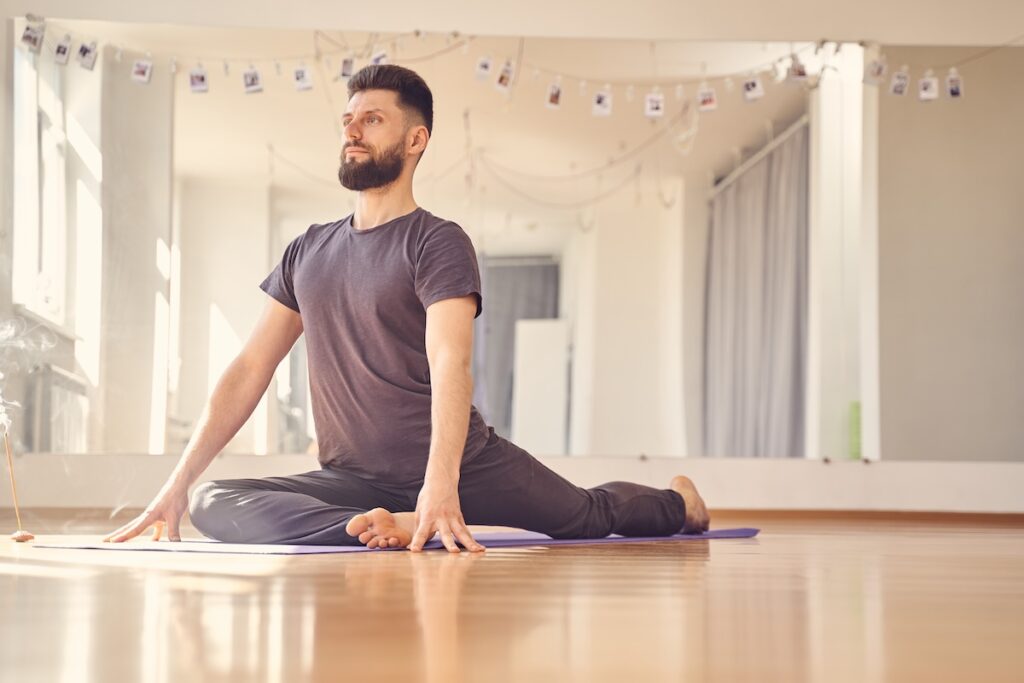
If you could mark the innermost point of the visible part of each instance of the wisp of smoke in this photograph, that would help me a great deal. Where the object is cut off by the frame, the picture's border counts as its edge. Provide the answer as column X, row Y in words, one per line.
column 20, row 346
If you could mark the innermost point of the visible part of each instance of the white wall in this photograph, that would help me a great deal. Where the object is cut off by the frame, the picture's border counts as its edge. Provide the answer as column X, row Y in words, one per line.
column 114, row 481
column 951, row 259
column 136, row 198
column 696, row 224
column 224, row 257
column 627, row 390
column 6, row 162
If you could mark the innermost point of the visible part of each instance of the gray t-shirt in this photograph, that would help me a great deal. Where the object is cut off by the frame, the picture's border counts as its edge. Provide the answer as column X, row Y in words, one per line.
column 363, row 295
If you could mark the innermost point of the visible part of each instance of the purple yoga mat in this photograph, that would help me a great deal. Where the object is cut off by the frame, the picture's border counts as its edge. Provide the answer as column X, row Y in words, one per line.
column 494, row 539
column 512, row 539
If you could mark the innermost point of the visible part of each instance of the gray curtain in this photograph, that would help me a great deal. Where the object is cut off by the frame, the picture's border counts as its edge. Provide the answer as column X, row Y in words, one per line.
column 514, row 289
column 756, row 308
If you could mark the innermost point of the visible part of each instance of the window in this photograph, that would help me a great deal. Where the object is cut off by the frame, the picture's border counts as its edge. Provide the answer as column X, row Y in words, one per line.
column 41, row 255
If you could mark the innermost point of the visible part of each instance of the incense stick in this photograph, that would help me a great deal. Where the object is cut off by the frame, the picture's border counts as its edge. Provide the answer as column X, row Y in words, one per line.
column 20, row 535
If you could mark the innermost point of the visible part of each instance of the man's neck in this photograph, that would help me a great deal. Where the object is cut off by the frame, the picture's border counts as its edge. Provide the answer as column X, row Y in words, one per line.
column 376, row 207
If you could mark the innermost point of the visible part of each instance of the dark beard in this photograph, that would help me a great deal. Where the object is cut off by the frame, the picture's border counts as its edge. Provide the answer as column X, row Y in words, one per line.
column 371, row 172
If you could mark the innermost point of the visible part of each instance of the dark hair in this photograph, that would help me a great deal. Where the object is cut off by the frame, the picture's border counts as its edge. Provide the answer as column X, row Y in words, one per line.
column 412, row 90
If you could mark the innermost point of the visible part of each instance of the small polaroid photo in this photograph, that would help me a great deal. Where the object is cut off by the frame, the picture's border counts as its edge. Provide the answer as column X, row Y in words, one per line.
column 504, row 82
column 379, row 57
column 348, row 67
column 654, row 105
column 197, row 81
column 928, row 88
column 142, row 71
column 554, row 100
column 483, row 68
column 62, row 52
column 753, row 89
column 32, row 38
column 797, row 72
column 602, row 103
column 874, row 73
column 900, row 82
column 303, row 78
column 954, row 85
column 706, row 98
column 252, row 80
column 86, row 55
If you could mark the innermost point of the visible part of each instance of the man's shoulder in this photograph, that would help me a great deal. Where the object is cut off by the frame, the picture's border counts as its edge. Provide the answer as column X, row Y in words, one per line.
column 318, row 232
column 435, row 227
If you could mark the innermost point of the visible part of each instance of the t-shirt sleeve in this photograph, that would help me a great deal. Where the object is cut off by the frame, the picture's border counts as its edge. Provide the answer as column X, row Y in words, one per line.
column 446, row 267
column 279, row 283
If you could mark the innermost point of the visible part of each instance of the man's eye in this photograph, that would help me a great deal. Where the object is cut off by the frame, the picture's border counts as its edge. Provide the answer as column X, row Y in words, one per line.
column 372, row 118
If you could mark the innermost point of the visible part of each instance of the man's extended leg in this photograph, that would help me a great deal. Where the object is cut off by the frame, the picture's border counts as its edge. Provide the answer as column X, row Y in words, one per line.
column 507, row 486
column 312, row 508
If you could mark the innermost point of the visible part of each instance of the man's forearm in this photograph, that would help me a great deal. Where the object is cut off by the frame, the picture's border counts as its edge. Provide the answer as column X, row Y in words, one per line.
column 451, row 396
column 233, row 399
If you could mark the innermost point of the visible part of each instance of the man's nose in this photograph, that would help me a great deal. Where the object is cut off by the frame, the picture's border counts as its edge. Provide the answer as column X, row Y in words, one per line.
column 352, row 131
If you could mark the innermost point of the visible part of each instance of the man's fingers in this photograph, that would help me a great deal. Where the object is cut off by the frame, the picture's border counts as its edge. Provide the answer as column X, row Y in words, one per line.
column 131, row 529
column 447, row 538
column 158, row 528
column 121, row 531
column 172, row 529
column 423, row 533
column 462, row 532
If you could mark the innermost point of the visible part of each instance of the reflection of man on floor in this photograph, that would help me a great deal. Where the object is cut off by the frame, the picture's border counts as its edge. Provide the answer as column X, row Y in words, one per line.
column 386, row 298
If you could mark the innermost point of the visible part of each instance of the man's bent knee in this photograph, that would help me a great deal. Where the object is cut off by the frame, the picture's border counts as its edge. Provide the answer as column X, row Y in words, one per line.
column 203, row 512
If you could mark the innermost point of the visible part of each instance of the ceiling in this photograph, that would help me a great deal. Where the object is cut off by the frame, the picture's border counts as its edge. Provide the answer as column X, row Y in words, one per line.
column 908, row 22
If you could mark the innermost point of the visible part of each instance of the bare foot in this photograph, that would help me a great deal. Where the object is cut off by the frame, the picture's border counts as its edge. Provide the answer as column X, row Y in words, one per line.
column 379, row 528
column 697, row 518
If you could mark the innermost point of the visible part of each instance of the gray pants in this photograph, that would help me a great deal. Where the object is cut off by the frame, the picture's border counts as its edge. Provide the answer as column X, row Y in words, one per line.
column 503, row 485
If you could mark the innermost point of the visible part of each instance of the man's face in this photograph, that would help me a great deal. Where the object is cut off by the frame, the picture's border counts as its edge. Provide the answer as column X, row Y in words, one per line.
column 374, row 151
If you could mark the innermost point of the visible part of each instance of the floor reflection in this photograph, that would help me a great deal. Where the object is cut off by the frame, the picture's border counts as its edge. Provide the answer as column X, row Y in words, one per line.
column 799, row 604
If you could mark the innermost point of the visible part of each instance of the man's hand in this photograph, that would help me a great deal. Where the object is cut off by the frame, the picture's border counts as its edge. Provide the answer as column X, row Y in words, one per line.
column 438, row 509
column 167, row 508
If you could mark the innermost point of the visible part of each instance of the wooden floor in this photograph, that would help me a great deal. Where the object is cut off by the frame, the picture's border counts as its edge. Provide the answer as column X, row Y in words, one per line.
column 840, row 599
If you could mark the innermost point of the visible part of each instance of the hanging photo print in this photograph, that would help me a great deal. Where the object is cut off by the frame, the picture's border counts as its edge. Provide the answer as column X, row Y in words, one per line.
column 554, row 100
column 753, row 89
column 197, row 80
column 654, row 105
column 602, row 103
column 874, row 73
column 62, row 52
column 928, row 87
column 483, row 68
column 142, row 70
column 706, row 99
column 252, row 80
column 954, row 84
column 505, row 77
column 303, row 78
column 87, row 55
column 32, row 38
column 348, row 67
column 797, row 72
column 900, row 82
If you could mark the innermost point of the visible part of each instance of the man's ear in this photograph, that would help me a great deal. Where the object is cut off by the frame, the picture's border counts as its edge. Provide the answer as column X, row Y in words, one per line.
column 418, row 139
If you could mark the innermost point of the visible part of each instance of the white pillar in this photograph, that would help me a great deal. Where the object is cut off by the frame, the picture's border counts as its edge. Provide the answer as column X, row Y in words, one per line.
column 834, row 318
